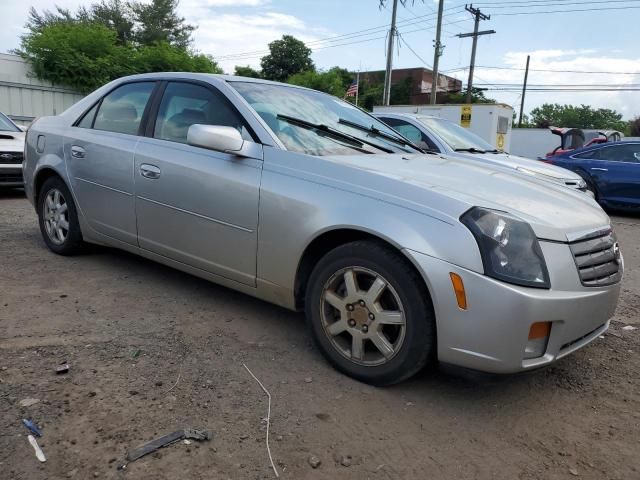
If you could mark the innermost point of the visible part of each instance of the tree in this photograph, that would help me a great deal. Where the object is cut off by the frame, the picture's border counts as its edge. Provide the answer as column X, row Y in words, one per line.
column 477, row 96
column 158, row 21
column 115, row 15
column 247, row 72
column 634, row 127
column 93, row 46
column 582, row 116
column 287, row 57
column 334, row 81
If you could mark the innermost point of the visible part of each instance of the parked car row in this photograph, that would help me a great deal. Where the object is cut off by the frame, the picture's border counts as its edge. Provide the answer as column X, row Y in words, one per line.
column 399, row 255
column 11, row 152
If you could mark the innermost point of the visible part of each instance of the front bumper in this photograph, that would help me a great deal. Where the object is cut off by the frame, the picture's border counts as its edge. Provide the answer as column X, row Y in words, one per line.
column 492, row 333
column 11, row 175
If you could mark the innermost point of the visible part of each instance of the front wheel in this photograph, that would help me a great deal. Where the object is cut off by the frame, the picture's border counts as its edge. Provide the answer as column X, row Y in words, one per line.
column 58, row 218
column 370, row 313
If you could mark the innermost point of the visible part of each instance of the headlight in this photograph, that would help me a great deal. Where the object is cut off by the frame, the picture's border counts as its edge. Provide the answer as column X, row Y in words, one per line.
column 509, row 247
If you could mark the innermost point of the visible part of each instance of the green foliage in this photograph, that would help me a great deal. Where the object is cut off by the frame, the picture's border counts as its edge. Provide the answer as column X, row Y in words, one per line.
column 106, row 40
column 80, row 55
column 247, row 72
column 287, row 57
column 164, row 57
column 334, row 81
column 634, row 127
column 159, row 22
column 582, row 116
column 477, row 96
column 371, row 94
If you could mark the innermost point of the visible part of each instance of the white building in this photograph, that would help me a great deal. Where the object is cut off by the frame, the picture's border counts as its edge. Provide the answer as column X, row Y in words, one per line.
column 23, row 97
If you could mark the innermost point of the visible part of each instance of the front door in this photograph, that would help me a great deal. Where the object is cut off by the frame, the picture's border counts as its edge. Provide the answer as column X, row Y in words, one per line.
column 197, row 206
column 99, row 156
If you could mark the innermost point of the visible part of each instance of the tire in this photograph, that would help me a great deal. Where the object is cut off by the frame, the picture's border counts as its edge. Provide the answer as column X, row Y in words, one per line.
column 346, row 317
column 58, row 218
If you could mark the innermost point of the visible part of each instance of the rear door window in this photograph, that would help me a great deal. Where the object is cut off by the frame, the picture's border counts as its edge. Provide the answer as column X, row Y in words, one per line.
column 121, row 110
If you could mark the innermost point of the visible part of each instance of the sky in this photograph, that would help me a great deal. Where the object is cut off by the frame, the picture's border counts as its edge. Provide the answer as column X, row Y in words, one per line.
column 351, row 34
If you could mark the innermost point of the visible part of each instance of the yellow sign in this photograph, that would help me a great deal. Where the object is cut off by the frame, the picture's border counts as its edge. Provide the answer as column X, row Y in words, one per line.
column 500, row 141
column 465, row 116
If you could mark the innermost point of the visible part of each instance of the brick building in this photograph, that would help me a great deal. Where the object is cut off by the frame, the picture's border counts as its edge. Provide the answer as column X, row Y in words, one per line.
column 421, row 79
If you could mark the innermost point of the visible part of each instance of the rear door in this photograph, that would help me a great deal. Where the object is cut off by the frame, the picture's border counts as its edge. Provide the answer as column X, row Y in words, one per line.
column 197, row 206
column 618, row 169
column 99, row 152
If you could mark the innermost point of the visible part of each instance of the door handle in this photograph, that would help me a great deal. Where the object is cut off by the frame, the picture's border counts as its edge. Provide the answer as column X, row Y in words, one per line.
column 149, row 171
column 600, row 169
column 77, row 152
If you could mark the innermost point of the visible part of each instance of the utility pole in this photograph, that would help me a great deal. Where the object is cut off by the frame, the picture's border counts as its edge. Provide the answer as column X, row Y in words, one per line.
column 386, row 94
column 524, row 90
column 478, row 16
column 436, row 55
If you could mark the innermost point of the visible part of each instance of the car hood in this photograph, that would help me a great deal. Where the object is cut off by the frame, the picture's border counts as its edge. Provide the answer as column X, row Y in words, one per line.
column 452, row 185
column 11, row 141
column 526, row 165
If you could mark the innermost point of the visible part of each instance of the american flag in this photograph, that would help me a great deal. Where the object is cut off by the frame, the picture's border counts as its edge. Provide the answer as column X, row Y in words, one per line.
column 352, row 91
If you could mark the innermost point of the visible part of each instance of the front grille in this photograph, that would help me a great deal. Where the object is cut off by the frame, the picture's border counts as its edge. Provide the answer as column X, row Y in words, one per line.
column 10, row 157
column 598, row 260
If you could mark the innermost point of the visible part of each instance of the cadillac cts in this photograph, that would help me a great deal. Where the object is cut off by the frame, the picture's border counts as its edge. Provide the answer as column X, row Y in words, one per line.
column 398, row 257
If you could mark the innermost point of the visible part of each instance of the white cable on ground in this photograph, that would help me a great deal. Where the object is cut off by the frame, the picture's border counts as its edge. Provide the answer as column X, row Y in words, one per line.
column 268, row 418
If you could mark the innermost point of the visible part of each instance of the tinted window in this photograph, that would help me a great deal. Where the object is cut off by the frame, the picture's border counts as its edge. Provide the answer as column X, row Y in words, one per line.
column 186, row 104
column 590, row 155
column 409, row 131
column 624, row 153
column 121, row 111
column 87, row 120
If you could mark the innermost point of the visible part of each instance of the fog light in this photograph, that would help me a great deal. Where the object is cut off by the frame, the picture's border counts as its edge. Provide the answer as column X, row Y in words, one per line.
column 538, row 338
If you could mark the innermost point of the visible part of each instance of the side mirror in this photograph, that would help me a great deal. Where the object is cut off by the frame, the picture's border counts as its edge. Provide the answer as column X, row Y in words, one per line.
column 215, row 137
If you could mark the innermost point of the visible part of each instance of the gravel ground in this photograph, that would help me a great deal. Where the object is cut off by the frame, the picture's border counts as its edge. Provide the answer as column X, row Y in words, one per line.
column 153, row 350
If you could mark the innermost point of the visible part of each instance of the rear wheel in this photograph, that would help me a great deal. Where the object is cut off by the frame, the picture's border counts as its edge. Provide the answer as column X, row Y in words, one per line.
column 370, row 313
column 58, row 218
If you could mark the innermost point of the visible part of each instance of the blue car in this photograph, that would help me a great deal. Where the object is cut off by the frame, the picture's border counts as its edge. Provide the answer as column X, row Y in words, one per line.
column 611, row 170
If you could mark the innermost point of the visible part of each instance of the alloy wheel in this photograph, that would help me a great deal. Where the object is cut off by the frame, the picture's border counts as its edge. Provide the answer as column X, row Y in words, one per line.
column 56, row 216
column 363, row 316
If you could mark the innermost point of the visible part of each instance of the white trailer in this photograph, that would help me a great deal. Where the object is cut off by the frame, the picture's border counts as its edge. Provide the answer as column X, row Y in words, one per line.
column 491, row 121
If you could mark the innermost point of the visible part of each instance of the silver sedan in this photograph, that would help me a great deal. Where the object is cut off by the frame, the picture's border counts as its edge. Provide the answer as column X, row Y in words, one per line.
column 399, row 257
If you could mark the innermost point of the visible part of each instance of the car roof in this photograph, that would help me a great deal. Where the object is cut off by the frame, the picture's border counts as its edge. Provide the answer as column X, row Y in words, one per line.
column 204, row 77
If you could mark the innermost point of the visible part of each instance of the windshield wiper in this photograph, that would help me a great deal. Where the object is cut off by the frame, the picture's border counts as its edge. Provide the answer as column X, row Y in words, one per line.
column 470, row 150
column 495, row 150
column 379, row 133
column 329, row 131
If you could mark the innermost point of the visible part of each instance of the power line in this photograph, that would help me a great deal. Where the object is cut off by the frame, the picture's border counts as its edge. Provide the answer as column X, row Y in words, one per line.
column 565, row 11
column 554, row 3
column 546, row 70
column 315, row 44
column 531, row 3
column 413, row 51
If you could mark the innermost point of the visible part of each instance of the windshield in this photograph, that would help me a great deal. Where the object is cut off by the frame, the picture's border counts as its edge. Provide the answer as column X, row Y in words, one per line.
column 455, row 136
column 7, row 125
column 274, row 103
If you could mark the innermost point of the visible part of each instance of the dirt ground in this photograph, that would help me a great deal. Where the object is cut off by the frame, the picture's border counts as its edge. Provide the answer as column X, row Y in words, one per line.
column 153, row 350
